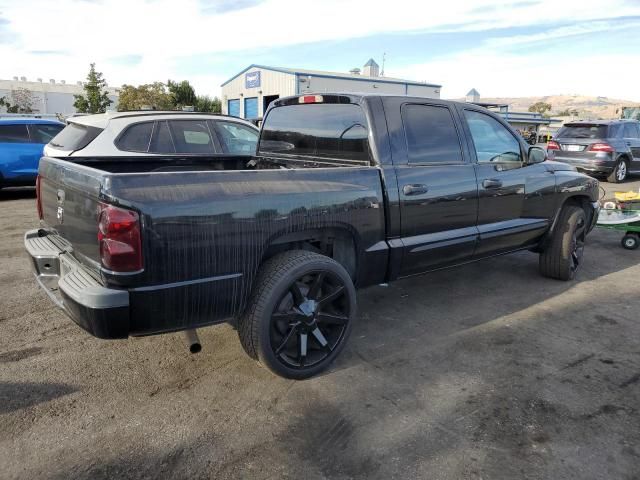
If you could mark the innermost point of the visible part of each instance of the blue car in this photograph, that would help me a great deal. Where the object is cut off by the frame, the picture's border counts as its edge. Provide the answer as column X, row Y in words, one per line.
column 21, row 143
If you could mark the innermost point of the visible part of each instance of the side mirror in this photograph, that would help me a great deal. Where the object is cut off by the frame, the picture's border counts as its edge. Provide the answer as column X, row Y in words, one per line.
column 537, row 155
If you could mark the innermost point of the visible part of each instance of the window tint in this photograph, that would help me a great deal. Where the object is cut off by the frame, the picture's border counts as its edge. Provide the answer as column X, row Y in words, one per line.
column 237, row 138
column 42, row 133
column 74, row 137
column 328, row 130
column 136, row 137
column 431, row 134
column 630, row 130
column 14, row 134
column 492, row 141
column 161, row 141
column 583, row 131
column 191, row 136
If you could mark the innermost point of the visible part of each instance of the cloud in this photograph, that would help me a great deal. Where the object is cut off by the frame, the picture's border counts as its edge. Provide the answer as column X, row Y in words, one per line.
column 223, row 6
column 139, row 41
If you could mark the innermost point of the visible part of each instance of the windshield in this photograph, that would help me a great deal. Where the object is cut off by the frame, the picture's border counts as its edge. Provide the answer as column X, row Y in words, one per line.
column 74, row 137
column 326, row 130
column 583, row 131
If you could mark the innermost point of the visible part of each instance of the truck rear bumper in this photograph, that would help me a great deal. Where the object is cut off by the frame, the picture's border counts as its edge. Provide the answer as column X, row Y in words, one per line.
column 103, row 312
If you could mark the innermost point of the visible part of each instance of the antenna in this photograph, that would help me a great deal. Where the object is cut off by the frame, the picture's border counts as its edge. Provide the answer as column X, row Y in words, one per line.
column 384, row 58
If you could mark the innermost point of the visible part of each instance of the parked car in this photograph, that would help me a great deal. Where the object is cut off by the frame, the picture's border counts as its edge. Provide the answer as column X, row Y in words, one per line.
column 153, row 133
column 608, row 148
column 21, row 143
column 345, row 191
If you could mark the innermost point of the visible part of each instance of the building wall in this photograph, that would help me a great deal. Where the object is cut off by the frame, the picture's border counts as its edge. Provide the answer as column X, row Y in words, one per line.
column 423, row 91
column 325, row 84
column 51, row 98
column 271, row 83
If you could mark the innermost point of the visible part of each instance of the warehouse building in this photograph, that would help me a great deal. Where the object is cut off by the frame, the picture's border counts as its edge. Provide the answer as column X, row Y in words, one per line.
column 52, row 97
column 248, row 93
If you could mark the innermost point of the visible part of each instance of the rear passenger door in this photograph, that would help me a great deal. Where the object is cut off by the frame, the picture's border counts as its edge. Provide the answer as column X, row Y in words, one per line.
column 437, row 187
column 631, row 137
column 19, row 157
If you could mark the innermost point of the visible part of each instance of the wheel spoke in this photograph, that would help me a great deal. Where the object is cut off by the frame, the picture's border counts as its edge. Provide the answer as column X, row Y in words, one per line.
column 283, row 345
column 320, row 338
column 298, row 298
column 315, row 287
column 338, row 292
column 331, row 319
column 289, row 317
column 302, row 349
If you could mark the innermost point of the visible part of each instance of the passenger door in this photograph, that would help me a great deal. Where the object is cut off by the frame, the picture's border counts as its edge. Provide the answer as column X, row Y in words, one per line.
column 19, row 157
column 515, row 198
column 437, row 188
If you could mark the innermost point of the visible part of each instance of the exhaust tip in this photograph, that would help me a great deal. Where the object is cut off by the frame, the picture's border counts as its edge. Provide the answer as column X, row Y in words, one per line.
column 195, row 348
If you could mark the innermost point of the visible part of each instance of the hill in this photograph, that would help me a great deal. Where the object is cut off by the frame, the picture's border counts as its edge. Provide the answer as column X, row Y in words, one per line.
column 587, row 107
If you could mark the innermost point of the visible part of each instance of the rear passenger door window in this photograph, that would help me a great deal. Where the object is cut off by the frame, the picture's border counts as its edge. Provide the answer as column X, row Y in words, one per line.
column 630, row 130
column 191, row 136
column 136, row 138
column 161, row 141
column 14, row 134
column 492, row 141
column 431, row 135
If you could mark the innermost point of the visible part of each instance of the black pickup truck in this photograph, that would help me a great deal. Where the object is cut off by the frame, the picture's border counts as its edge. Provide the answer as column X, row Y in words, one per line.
column 344, row 191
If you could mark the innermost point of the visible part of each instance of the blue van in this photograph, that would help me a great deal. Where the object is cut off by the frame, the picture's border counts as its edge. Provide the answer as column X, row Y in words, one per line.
column 21, row 144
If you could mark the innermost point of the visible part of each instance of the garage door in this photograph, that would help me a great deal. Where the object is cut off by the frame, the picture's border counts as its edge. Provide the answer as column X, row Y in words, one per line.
column 234, row 108
column 251, row 107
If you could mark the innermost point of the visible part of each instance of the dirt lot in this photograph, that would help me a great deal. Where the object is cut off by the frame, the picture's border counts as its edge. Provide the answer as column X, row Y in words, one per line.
column 485, row 371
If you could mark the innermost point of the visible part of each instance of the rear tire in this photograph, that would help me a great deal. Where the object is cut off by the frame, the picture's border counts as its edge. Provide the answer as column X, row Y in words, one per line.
column 562, row 258
column 630, row 241
column 300, row 314
column 619, row 173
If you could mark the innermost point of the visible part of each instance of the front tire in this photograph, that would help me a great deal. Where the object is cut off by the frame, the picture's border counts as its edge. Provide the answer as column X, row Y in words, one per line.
column 619, row 173
column 563, row 257
column 300, row 314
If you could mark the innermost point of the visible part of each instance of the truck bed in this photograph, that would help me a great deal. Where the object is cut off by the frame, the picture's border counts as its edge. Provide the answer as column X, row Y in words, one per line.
column 205, row 228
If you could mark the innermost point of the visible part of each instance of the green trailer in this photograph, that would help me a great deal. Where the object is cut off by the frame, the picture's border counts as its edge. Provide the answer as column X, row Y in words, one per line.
column 627, row 221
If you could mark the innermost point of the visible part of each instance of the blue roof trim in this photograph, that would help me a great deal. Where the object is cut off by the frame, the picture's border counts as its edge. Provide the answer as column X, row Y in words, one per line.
column 324, row 75
column 28, row 121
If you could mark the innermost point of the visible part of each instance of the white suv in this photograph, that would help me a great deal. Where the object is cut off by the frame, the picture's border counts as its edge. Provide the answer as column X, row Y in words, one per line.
column 149, row 133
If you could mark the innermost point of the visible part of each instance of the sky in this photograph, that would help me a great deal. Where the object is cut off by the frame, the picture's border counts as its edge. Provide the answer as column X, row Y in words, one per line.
column 502, row 48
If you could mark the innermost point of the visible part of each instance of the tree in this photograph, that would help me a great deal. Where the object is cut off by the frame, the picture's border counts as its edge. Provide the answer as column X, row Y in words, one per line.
column 21, row 101
column 540, row 107
column 149, row 96
column 182, row 94
column 96, row 98
column 204, row 103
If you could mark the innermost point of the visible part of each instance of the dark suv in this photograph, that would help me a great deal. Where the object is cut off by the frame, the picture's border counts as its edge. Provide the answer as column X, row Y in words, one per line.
column 609, row 148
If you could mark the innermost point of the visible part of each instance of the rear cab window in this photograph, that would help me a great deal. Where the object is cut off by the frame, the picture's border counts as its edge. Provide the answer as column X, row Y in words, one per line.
column 74, row 136
column 14, row 134
column 316, row 130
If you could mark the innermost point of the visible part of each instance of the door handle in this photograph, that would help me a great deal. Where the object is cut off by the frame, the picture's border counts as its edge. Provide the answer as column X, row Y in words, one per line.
column 414, row 189
column 491, row 183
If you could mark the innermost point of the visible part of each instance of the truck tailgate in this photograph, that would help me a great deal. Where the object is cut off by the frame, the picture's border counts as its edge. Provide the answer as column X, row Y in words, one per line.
column 69, row 196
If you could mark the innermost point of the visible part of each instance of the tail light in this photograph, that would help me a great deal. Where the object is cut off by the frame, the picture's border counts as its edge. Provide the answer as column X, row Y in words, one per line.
column 553, row 145
column 119, row 239
column 601, row 147
column 39, row 198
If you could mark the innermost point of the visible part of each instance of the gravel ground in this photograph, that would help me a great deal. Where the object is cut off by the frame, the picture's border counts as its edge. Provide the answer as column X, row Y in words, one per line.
column 484, row 371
